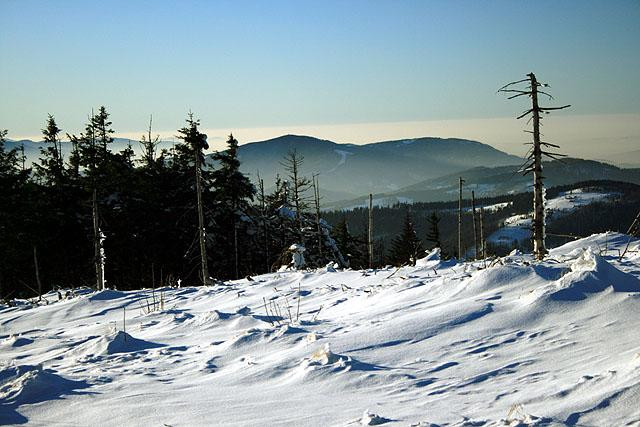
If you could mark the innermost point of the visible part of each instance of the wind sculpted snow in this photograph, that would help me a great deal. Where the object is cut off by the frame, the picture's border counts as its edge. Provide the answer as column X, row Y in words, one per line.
column 506, row 342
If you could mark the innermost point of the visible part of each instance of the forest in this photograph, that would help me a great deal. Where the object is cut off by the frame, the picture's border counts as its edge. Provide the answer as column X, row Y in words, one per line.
column 138, row 217
column 147, row 220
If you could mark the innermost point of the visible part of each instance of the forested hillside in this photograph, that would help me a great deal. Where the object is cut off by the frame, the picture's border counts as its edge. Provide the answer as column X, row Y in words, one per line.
column 137, row 218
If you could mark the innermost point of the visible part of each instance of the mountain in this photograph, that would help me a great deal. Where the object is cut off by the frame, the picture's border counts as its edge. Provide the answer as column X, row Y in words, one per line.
column 495, row 181
column 348, row 170
column 32, row 148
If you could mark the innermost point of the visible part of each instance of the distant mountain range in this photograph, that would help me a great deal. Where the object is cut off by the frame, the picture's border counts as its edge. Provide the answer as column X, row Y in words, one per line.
column 496, row 181
column 347, row 170
column 409, row 170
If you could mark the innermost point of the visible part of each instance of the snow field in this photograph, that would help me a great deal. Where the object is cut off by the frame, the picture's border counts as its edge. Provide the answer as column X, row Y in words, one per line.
column 506, row 342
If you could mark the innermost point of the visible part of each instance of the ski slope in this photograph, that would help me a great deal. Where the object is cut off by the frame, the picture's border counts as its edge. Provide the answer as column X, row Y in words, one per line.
column 510, row 342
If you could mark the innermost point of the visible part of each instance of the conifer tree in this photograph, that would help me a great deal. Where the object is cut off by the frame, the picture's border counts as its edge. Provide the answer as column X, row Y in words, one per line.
column 51, row 165
column 233, row 192
column 292, row 163
column 406, row 247
column 196, row 142
column 433, row 235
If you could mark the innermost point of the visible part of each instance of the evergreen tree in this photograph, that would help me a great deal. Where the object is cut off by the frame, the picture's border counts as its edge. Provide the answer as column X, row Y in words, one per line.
column 51, row 165
column 194, row 145
column 352, row 248
column 406, row 247
column 433, row 235
column 232, row 192
column 292, row 163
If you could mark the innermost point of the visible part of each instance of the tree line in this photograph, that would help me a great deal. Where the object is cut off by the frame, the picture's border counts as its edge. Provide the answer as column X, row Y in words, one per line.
column 67, row 216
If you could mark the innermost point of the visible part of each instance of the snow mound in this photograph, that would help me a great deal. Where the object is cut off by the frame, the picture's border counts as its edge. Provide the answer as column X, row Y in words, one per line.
column 22, row 384
column 120, row 342
column 17, row 341
column 371, row 419
column 591, row 273
column 432, row 256
column 324, row 356
column 107, row 294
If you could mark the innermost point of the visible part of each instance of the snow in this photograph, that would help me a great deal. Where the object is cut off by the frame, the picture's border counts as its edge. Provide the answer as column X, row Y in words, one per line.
column 569, row 201
column 382, row 202
column 509, row 342
column 343, row 159
column 518, row 227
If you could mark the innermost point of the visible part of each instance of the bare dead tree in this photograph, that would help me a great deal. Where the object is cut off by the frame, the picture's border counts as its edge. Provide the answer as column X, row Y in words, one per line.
column 35, row 264
column 265, row 228
column 482, row 242
column 633, row 229
column 292, row 163
column 460, row 182
column 533, row 163
column 316, row 199
column 149, row 144
column 97, row 242
column 370, row 231
column 475, row 224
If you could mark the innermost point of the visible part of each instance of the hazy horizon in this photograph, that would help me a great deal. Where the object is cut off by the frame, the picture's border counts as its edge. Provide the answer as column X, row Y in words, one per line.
column 347, row 71
column 579, row 135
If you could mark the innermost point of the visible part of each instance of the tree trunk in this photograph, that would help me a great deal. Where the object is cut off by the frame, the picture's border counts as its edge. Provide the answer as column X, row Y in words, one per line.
column 370, row 231
column 264, row 226
column 316, row 195
column 97, row 244
column 202, row 234
column 475, row 225
column 35, row 264
column 460, row 219
column 482, row 243
column 539, row 249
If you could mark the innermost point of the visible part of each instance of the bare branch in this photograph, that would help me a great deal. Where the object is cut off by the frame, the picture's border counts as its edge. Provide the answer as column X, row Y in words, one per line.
column 519, row 94
column 512, row 83
column 554, row 108
column 524, row 114
column 548, row 144
column 545, row 93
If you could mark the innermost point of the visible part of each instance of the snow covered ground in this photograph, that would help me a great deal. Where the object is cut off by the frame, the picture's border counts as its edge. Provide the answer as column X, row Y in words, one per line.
column 517, row 228
column 512, row 342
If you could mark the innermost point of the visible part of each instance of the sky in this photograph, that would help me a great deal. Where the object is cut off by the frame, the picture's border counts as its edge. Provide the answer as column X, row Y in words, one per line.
column 352, row 71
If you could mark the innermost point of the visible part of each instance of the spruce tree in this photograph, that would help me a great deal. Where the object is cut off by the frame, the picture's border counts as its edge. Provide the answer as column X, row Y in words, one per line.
column 51, row 166
column 232, row 192
column 433, row 235
column 406, row 247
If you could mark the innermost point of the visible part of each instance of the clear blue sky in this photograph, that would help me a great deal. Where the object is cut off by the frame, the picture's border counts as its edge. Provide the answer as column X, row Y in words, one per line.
column 240, row 64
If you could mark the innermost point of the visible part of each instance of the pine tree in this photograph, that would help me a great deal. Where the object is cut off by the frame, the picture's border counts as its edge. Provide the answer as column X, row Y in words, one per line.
column 196, row 142
column 433, row 235
column 292, row 163
column 352, row 248
column 406, row 247
column 51, row 165
column 233, row 192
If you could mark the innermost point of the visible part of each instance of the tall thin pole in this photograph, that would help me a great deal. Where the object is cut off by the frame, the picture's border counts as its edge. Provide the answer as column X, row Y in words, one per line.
column 482, row 242
column 475, row 225
column 235, row 249
column 539, row 249
column 202, row 233
column 35, row 264
column 96, row 243
column 316, row 197
column 461, row 181
column 264, row 225
column 370, row 234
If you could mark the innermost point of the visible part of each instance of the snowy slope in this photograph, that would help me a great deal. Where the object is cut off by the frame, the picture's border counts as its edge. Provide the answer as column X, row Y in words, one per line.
column 518, row 227
column 511, row 342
